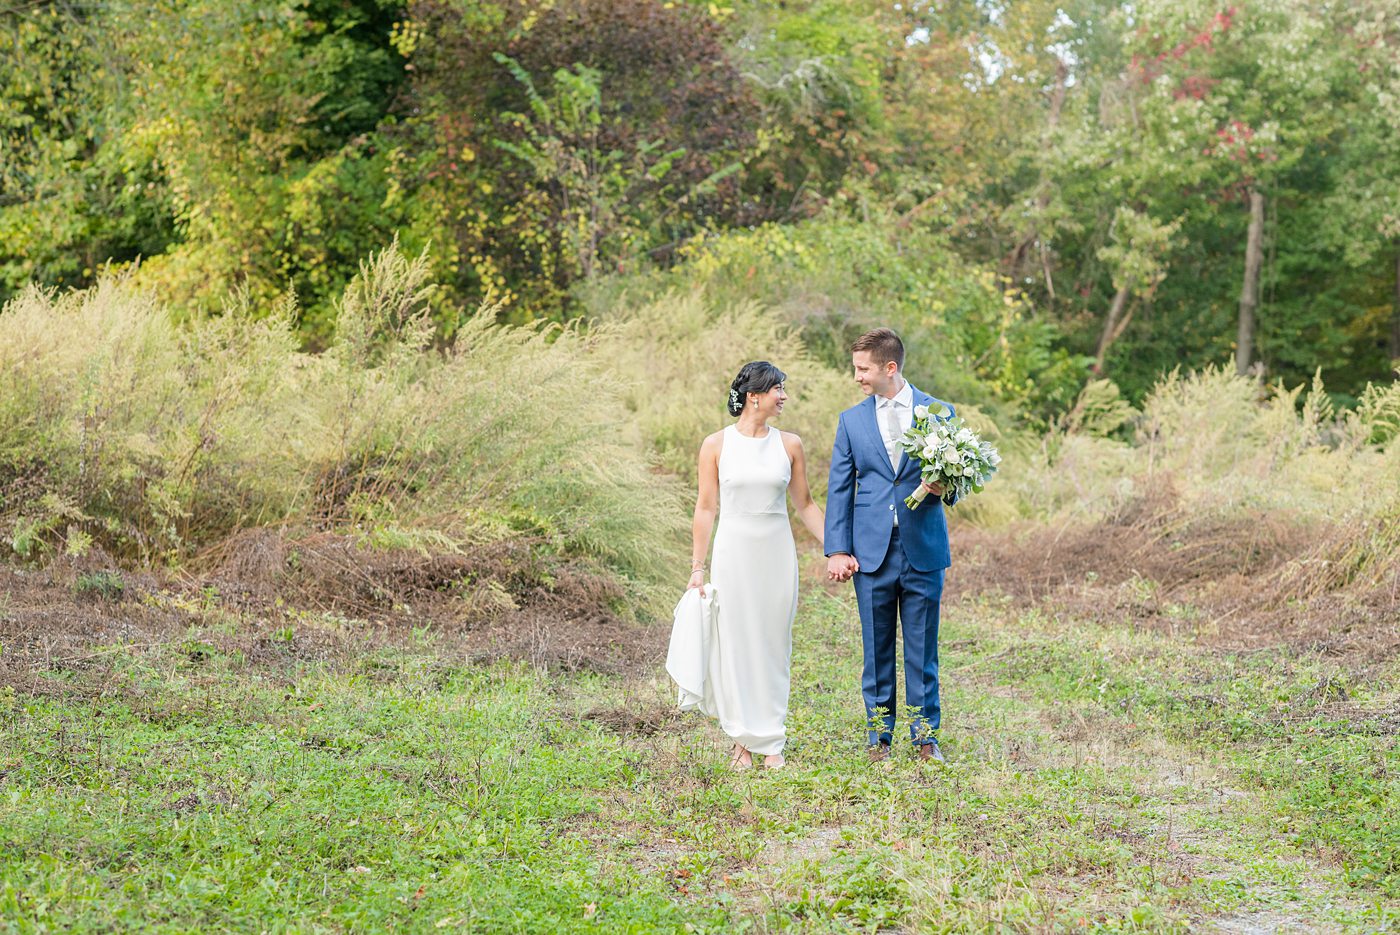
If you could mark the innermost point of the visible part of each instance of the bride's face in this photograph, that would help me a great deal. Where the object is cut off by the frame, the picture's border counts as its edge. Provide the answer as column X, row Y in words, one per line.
column 770, row 404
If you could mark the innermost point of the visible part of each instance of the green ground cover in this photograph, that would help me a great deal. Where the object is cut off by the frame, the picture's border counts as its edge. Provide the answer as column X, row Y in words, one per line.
column 1099, row 780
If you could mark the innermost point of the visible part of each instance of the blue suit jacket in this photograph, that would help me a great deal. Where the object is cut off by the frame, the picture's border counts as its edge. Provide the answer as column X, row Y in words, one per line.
column 864, row 494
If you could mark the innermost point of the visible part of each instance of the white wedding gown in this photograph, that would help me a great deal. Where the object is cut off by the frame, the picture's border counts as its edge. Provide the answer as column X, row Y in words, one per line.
column 755, row 573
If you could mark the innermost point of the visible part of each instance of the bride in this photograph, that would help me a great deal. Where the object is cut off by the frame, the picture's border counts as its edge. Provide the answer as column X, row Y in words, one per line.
column 745, row 471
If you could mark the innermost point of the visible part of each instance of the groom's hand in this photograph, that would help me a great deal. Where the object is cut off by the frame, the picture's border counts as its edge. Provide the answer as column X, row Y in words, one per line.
column 935, row 489
column 840, row 567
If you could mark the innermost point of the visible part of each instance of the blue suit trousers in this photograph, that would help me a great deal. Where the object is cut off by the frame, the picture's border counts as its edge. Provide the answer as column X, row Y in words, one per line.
column 893, row 597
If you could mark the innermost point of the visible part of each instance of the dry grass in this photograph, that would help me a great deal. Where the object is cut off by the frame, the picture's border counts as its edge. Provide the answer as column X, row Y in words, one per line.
column 273, row 602
column 156, row 439
column 1235, row 581
column 1239, row 515
column 676, row 357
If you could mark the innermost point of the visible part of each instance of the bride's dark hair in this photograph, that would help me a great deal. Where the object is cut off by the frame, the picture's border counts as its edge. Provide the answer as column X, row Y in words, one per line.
column 757, row 376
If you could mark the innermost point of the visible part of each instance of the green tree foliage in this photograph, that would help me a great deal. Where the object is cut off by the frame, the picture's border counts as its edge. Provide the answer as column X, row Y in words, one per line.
column 215, row 139
column 260, row 120
column 576, row 138
column 69, row 199
column 1186, row 110
column 968, row 335
column 1362, row 214
column 818, row 70
column 1039, row 193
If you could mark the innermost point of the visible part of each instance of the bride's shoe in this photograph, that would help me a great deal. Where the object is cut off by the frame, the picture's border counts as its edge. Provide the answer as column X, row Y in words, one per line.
column 774, row 761
column 740, row 759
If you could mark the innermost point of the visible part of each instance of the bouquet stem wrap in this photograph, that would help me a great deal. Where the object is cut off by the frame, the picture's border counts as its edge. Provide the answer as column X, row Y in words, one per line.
column 918, row 496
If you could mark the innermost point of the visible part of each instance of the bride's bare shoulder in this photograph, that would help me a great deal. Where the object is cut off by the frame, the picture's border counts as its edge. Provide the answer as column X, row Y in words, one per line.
column 712, row 442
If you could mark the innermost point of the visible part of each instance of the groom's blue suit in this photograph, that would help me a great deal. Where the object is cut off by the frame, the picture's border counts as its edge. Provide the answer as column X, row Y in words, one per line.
column 901, row 567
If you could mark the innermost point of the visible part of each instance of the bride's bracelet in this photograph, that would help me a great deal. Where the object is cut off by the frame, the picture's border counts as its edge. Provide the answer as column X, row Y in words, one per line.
column 696, row 566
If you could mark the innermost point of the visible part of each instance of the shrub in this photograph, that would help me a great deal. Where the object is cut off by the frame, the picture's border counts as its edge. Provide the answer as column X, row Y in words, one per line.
column 969, row 339
column 158, row 439
column 106, row 585
column 1223, row 442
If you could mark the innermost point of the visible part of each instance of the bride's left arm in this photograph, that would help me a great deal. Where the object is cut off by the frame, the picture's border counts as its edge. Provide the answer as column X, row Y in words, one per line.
column 807, row 509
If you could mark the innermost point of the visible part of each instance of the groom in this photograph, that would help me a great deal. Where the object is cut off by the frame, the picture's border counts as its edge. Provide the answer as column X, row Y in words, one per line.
column 896, row 555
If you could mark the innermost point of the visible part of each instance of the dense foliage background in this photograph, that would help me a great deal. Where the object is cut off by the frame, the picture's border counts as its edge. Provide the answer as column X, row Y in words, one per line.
column 1035, row 192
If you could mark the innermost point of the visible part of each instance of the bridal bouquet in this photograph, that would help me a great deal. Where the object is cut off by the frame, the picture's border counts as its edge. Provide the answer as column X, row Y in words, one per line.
column 949, row 454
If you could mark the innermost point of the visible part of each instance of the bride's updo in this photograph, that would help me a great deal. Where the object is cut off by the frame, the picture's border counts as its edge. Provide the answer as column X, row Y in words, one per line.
column 757, row 376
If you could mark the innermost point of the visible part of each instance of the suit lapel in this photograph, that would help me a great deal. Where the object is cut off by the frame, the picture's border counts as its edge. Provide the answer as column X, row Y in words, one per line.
column 917, row 398
column 871, row 421
column 877, row 438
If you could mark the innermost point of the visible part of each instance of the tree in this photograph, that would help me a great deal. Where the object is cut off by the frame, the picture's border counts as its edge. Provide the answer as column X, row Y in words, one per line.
column 1230, row 121
column 204, row 137
column 598, row 196
column 567, row 139
column 1136, row 257
column 69, row 200
column 1363, row 212
column 821, row 72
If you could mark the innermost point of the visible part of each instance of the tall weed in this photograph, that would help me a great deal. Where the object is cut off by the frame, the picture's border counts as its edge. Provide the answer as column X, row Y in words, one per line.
column 676, row 355
column 157, row 439
column 1223, row 442
column 120, row 427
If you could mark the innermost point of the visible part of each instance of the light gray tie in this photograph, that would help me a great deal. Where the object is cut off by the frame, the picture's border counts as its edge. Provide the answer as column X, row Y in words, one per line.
column 892, row 434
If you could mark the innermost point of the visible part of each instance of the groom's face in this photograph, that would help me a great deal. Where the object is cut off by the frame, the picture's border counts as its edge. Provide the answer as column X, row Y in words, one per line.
column 875, row 379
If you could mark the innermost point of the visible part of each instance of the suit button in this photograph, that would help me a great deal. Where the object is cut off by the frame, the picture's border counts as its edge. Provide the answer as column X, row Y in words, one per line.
column 891, row 506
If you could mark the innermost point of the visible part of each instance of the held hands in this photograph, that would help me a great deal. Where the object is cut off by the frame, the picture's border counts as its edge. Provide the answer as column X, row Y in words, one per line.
column 840, row 567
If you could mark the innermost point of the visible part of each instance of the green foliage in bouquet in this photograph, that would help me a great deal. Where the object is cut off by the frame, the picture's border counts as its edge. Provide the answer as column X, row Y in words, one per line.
column 950, row 455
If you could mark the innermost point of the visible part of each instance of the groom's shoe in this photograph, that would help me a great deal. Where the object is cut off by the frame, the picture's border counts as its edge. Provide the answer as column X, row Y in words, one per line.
column 877, row 751
column 929, row 751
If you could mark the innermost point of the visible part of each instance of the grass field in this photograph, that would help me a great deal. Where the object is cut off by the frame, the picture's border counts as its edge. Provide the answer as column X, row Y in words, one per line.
column 354, row 640
column 1102, row 777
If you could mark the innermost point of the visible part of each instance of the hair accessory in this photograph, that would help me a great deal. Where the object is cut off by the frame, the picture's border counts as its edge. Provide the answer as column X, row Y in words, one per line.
column 733, row 397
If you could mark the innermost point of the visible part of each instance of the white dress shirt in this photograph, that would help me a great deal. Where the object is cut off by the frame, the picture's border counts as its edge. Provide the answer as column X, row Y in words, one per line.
column 902, row 404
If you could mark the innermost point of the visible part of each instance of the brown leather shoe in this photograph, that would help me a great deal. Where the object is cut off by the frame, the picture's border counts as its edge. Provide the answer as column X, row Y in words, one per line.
column 877, row 751
column 930, row 751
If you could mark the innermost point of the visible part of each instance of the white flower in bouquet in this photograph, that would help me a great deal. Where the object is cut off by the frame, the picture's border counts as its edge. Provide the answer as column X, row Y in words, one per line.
column 949, row 453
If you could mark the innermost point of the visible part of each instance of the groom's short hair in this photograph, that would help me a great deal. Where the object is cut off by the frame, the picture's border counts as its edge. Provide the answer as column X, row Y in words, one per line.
column 884, row 346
